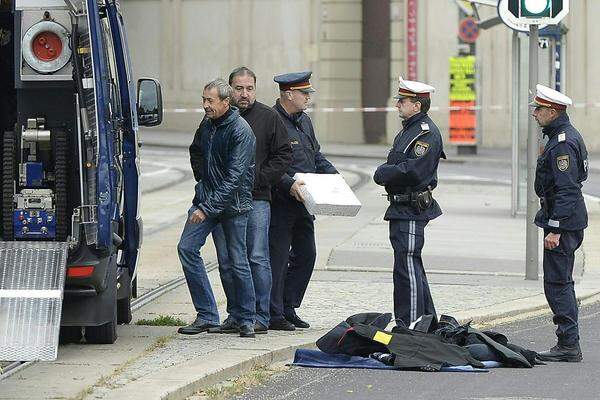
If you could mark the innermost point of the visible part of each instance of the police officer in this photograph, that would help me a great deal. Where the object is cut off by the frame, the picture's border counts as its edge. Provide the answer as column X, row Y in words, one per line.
column 561, row 168
column 291, row 233
column 409, row 176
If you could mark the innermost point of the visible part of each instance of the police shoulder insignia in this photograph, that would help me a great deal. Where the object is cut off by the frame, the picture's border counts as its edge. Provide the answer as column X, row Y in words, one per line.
column 421, row 148
column 562, row 137
column 424, row 126
column 562, row 162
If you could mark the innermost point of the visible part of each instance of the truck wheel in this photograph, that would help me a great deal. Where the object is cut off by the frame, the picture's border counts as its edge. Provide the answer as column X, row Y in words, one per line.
column 70, row 334
column 61, row 173
column 103, row 334
column 8, row 184
column 124, row 310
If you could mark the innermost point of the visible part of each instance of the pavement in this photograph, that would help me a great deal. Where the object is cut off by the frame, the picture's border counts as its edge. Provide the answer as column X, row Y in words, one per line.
column 474, row 257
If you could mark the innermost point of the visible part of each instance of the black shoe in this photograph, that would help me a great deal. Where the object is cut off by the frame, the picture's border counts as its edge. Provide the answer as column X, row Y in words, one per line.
column 295, row 319
column 260, row 328
column 246, row 331
column 562, row 353
column 228, row 326
column 281, row 325
column 195, row 328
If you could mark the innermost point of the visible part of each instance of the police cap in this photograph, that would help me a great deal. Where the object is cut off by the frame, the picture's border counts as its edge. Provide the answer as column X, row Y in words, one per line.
column 546, row 97
column 413, row 89
column 295, row 81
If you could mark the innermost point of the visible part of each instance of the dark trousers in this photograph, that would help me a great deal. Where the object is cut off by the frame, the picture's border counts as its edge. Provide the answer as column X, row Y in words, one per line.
column 293, row 253
column 412, row 297
column 559, row 285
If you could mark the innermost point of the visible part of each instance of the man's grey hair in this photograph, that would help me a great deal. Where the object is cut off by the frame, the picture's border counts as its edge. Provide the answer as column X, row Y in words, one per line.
column 223, row 89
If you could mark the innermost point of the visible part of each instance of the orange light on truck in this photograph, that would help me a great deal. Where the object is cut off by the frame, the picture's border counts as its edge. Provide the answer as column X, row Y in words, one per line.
column 80, row 271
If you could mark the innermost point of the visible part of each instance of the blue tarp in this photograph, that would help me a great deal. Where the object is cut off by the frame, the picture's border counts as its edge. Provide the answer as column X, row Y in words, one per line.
column 319, row 359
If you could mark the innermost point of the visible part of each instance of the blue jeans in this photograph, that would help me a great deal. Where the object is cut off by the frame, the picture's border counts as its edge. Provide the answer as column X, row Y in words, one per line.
column 192, row 239
column 257, row 242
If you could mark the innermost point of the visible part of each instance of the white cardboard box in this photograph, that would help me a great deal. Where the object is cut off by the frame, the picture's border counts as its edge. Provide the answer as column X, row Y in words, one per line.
column 328, row 194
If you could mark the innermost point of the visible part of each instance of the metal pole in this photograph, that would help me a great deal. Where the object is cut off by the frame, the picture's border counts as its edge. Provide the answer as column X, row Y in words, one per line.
column 531, row 251
column 514, row 204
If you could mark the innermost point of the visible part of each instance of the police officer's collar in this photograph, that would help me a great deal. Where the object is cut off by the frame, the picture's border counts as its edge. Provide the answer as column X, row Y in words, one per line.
column 292, row 117
column 409, row 121
column 555, row 126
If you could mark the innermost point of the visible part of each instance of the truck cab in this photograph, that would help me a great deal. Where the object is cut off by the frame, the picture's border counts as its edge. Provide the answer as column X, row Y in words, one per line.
column 69, row 118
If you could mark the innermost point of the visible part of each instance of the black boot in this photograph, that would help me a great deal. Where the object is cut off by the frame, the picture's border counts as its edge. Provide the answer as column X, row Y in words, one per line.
column 195, row 327
column 228, row 326
column 247, row 331
column 281, row 325
column 562, row 353
column 290, row 315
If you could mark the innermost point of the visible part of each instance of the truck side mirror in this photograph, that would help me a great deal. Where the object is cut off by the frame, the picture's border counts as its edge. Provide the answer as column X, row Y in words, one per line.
column 149, row 102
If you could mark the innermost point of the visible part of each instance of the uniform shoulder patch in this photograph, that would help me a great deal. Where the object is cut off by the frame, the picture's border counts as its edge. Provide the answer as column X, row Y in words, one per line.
column 562, row 137
column 424, row 126
column 562, row 162
column 421, row 148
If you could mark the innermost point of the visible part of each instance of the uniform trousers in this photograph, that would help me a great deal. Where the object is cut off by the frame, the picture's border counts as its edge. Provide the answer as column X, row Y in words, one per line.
column 559, row 286
column 412, row 297
column 293, row 253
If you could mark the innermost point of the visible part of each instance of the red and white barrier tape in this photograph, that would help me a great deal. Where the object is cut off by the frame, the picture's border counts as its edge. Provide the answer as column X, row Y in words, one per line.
column 383, row 109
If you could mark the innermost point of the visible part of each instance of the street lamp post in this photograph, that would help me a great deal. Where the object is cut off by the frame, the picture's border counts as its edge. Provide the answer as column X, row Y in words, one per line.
column 532, row 238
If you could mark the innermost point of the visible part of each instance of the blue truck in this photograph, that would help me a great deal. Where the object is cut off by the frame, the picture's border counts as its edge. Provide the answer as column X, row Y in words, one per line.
column 70, row 191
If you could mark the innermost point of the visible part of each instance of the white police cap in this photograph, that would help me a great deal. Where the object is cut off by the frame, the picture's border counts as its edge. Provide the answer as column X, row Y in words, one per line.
column 546, row 97
column 413, row 89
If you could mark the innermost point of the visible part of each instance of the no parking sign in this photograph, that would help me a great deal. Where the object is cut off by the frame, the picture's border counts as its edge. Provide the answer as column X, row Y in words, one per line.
column 468, row 31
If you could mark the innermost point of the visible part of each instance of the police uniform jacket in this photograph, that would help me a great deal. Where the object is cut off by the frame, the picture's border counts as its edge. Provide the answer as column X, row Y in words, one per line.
column 561, row 168
column 305, row 148
column 412, row 167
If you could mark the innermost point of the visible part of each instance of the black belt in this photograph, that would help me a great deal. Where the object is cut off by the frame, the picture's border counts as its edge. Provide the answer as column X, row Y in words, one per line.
column 401, row 198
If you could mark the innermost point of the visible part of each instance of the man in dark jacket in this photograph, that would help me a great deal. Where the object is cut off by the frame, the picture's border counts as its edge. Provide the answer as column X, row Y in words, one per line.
column 561, row 168
column 292, row 233
column 222, row 156
column 409, row 176
column 273, row 156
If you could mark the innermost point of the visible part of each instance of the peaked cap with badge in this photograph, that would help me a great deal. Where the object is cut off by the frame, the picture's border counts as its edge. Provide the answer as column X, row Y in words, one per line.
column 295, row 81
column 547, row 97
column 413, row 89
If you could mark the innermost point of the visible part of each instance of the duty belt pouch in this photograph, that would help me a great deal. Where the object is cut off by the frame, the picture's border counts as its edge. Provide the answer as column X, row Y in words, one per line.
column 423, row 200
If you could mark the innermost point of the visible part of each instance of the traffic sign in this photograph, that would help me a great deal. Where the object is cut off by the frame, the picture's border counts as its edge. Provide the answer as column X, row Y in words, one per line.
column 468, row 31
column 519, row 14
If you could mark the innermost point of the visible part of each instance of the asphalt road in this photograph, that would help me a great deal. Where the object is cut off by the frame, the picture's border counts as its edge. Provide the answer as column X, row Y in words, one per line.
column 552, row 381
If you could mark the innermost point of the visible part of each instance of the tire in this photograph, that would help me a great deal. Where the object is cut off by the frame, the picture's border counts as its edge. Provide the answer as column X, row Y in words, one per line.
column 103, row 334
column 124, row 310
column 61, row 173
column 70, row 334
column 8, row 184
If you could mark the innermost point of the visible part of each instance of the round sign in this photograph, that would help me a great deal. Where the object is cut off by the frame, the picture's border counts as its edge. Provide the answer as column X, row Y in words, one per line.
column 468, row 30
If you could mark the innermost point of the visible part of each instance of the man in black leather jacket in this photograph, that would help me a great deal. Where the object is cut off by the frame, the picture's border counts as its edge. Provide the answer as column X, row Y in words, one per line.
column 222, row 156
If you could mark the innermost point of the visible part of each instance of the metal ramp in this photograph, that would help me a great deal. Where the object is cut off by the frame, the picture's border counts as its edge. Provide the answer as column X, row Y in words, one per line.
column 32, row 280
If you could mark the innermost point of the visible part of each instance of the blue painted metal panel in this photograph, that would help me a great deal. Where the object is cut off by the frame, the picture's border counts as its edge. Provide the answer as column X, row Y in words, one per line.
column 130, row 170
column 34, row 221
column 106, row 188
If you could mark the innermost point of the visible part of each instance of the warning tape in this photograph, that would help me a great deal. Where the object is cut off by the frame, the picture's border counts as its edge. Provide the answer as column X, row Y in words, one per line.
column 383, row 109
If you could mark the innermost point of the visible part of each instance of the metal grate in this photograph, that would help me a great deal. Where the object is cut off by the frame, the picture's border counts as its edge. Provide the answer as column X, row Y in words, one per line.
column 32, row 279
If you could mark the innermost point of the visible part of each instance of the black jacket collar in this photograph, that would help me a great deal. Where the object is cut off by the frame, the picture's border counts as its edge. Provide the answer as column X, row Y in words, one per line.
column 556, row 126
column 407, row 123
